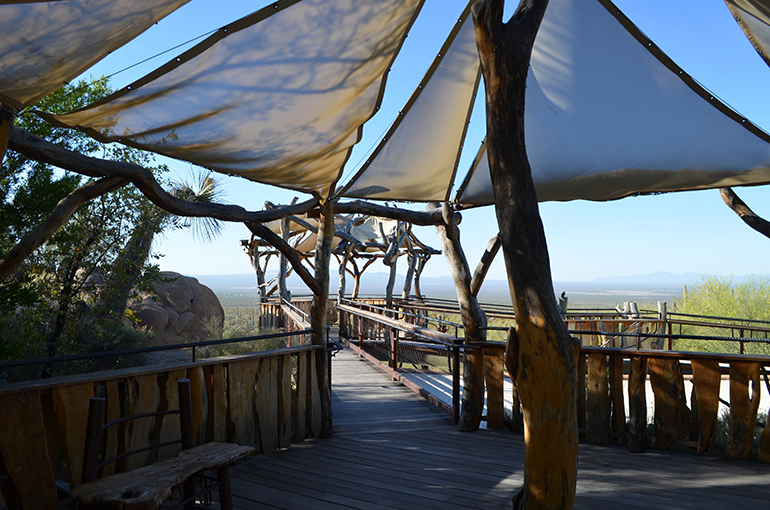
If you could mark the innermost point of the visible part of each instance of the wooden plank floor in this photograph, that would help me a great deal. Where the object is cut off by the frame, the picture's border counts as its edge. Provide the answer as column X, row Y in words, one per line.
column 393, row 450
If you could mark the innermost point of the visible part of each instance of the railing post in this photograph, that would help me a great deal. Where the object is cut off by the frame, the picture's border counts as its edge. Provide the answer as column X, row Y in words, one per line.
column 329, row 354
column 741, row 342
column 360, row 336
column 394, row 349
column 456, row 383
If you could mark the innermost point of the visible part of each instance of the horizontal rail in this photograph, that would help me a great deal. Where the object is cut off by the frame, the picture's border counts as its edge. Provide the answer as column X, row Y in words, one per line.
column 144, row 350
column 679, row 355
column 69, row 380
column 436, row 336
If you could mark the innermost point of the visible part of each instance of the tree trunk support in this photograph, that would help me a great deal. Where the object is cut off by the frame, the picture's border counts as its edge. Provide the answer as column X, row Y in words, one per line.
column 546, row 376
column 474, row 320
column 318, row 310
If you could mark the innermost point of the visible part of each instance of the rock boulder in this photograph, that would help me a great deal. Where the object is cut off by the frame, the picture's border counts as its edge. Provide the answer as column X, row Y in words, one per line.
column 179, row 310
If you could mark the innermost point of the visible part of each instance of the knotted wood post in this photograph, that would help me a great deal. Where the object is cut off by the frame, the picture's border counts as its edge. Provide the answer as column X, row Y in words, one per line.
column 541, row 352
column 318, row 309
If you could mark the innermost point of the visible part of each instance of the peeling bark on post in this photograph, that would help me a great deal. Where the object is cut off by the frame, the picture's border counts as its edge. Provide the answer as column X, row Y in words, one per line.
column 318, row 310
column 546, row 377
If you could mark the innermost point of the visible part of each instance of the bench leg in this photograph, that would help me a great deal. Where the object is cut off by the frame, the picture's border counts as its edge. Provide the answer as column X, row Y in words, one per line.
column 188, row 491
column 225, row 492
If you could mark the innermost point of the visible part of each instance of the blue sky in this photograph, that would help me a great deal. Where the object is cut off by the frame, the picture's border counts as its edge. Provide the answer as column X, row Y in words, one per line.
column 676, row 232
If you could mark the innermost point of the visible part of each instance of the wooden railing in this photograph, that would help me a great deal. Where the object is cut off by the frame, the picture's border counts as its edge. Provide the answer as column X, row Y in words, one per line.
column 277, row 315
column 608, row 377
column 267, row 400
column 613, row 382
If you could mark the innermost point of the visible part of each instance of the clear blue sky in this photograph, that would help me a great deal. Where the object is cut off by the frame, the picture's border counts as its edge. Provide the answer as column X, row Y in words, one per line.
column 677, row 232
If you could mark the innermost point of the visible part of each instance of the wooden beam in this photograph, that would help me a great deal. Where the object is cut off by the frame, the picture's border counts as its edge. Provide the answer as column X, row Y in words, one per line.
column 414, row 217
column 748, row 216
column 46, row 152
column 291, row 254
column 484, row 264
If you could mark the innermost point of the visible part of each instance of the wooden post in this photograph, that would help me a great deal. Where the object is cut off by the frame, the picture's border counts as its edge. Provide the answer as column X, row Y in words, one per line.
column 318, row 310
column 546, row 355
column 616, row 397
column 598, row 408
column 474, row 320
column 637, row 404
column 581, row 392
column 360, row 337
column 341, row 273
column 283, row 263
column 672, row 416
column 394, row 350
column 93, row 440
column 658, row 343
column 456, row 383
column 421, row 260
column 743, row 408
column 411, row 262
column 6, row 123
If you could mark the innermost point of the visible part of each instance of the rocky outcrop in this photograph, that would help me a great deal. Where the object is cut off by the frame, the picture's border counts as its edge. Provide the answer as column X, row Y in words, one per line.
column 179, row 310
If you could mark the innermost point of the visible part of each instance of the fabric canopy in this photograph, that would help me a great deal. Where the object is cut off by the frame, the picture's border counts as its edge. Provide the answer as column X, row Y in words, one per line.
column 418, row 157
column 278, row 97
column 754, row 18
column 46, row 44
column 607, row 115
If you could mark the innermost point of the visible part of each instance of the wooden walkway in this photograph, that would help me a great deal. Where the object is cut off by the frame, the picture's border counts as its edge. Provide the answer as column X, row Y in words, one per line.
column 393, row 450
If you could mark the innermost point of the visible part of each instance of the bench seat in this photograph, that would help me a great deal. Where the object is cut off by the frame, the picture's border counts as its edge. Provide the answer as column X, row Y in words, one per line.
column 150, row 486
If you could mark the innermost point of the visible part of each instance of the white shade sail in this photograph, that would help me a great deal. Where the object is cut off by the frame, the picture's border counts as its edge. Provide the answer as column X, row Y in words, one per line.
column 278, row 97
column 46, row 44
column 609, row 115
column 754, row 18
column 418, row 157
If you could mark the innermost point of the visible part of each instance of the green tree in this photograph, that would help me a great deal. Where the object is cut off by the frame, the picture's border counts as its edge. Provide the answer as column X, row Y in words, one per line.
column 722, row 296
column 62, row 298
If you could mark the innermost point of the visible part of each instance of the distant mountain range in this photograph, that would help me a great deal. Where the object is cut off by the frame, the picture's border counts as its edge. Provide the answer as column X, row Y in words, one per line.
column 658, row 286
column 656, row 278
column 378, row 280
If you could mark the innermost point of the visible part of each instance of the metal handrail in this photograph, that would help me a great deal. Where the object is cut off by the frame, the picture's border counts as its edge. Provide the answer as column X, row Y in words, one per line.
column 143, row 350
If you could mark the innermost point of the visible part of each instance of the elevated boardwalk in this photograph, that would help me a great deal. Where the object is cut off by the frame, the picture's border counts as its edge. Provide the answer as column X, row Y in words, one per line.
column 392, row 449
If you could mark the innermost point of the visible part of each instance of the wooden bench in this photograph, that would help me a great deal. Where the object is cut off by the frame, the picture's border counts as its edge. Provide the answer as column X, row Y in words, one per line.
column 150, row 486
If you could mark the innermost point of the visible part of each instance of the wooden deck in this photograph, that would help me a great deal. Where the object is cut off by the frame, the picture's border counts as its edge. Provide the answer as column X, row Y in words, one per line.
column 392, row 449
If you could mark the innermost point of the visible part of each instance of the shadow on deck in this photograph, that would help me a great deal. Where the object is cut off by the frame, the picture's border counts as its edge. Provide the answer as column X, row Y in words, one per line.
column 392, row 449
